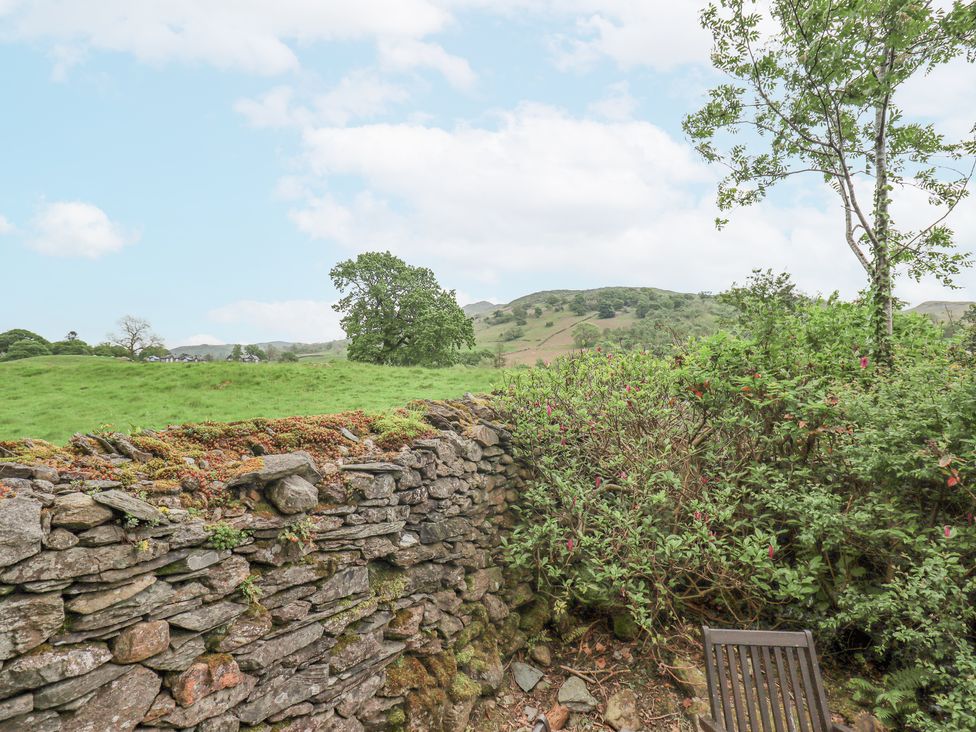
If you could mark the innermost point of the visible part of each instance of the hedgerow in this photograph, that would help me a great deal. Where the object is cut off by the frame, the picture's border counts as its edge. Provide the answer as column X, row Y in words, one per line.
column 769, row 476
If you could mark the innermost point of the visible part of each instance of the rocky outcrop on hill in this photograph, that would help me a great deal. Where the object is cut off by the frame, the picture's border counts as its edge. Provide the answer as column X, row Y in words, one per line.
column 358, row 593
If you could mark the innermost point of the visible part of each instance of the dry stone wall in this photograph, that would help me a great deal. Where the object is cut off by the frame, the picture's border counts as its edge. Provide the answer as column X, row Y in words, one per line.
column 343, row 596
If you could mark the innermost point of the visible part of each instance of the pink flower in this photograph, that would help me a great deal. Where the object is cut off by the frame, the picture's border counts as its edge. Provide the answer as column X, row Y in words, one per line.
column 549, row 410
column 627, row 388
column 623, row 475
column 598, row 481
column 771, row 551
column 698, row 515
column 570, row 544
column 864, row 362
column 947, row 531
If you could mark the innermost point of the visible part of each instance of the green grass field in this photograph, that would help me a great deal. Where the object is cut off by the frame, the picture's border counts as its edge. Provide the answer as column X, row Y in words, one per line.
column 52, row 397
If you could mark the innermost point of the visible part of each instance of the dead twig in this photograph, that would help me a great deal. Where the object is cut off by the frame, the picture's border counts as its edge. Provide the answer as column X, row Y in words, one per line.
column 577, row 672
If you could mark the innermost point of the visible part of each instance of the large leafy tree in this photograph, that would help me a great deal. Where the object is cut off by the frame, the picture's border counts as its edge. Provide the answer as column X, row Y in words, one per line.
column 394, row 313
column 8, row 338
column 818, row 95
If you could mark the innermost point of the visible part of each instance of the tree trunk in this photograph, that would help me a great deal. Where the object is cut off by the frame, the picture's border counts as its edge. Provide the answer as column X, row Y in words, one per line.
column 881, row 286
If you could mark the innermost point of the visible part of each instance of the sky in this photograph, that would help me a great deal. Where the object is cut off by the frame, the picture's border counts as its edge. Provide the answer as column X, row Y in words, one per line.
column 203, row 165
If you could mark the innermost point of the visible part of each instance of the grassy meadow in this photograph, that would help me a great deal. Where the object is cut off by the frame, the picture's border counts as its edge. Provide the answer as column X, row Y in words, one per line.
column 54, row 396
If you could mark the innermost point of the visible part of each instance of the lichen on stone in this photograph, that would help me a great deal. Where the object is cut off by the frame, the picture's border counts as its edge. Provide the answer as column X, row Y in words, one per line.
column 463, row 687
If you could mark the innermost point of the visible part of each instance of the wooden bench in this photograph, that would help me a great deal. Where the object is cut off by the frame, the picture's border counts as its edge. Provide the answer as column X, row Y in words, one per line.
column 764, row 681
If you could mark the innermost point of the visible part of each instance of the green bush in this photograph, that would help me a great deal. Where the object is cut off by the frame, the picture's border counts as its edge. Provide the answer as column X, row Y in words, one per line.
column 768, row 476
column 9, row 337
column 585, row 335
column 109, row 349
column 74, row 347
column 25, row 348
column 475, row 357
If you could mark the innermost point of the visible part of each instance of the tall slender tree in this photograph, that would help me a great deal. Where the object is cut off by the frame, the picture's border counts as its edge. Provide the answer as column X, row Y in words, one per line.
column 813, row 90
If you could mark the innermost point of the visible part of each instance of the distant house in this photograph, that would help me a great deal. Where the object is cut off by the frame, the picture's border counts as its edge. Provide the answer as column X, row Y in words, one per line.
column 246, row 358
column 170, row 358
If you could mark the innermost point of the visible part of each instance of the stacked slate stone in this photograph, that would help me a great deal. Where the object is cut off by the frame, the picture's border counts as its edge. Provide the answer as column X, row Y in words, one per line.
column 334, row 597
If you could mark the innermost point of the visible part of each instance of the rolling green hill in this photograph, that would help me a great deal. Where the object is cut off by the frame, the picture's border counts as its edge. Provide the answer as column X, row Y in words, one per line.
column 670, row 315
column 642, row 316
column 476, row 308
column 943, row 310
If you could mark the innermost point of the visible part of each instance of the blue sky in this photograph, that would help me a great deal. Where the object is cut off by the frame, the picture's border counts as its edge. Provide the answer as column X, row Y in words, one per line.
column 203, row 165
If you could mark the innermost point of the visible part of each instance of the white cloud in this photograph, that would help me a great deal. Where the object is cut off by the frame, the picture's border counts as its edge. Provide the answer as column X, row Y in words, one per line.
column 76, row 229
column 299, row 320
column 464, row 298
column 928, row 97
column 251, row 36
column 619, row 105
column 65, row 58
column 661, row 35
column 547, row 194
column 262, row 37
column 405, row 54
column 361, row 94
column 274, row 109
column 5, row 226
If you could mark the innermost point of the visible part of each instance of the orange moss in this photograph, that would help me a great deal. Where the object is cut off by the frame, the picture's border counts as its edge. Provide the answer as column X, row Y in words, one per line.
column 206, row 453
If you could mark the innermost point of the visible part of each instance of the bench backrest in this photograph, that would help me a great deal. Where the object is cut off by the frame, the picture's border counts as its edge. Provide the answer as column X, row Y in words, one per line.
column 765, row 681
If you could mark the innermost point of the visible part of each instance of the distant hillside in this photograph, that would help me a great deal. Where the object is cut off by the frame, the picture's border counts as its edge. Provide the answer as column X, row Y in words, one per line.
column 943, row 310
column 476, row 308
column 540, row 325
column 223, row 351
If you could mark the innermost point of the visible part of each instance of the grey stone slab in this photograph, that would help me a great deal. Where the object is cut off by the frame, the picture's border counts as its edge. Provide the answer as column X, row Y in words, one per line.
column 38, row 669
column 208, row 616
column 129, row 505
column 79, row 561
column 26, row 621
column 70, row 689
column 20, row 529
